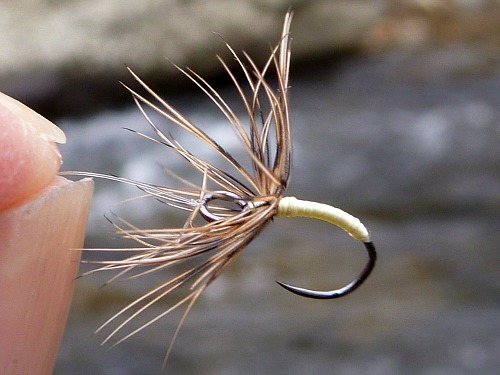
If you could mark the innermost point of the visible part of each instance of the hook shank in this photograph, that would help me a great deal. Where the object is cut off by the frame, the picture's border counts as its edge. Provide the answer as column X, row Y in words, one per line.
column 293, row 207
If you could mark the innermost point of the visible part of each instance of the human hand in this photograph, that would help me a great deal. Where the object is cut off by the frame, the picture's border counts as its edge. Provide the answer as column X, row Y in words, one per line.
column 42, row 220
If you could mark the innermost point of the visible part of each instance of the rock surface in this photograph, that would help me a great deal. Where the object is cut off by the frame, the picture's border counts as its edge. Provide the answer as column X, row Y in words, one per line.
column 60, row 55
column 46, row 44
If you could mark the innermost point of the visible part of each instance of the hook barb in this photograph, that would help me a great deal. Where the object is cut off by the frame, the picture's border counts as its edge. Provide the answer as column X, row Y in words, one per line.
column 337, row 293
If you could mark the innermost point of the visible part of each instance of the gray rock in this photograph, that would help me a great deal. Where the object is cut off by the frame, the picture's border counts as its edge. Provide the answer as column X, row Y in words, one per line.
column 45, row 44
column 59, row 56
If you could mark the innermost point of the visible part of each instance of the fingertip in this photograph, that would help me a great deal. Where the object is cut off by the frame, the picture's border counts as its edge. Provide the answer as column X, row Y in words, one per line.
column 39, row 254
column 29, row 158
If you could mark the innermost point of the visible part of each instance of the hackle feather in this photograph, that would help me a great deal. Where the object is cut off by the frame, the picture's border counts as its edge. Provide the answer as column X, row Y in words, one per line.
column 264, row 133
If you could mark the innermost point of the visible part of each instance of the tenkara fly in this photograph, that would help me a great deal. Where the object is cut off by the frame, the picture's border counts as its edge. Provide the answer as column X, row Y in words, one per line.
column 232, row 210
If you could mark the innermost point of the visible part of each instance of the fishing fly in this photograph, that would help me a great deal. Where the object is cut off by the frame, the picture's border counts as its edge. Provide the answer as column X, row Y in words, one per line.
column 224, row 212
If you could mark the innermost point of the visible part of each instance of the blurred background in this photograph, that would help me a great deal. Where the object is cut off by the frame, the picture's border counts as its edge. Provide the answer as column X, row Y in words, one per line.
column 395, row 110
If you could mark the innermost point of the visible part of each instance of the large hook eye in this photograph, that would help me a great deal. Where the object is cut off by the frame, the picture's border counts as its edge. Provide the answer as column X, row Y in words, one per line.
column 351, row 287
column 225, row 196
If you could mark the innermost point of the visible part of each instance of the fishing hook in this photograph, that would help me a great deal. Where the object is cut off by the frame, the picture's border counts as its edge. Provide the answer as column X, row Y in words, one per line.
column 292, row 207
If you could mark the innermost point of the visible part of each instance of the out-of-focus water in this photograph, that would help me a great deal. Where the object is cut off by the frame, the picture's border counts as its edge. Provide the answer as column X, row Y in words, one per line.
column 413, row 153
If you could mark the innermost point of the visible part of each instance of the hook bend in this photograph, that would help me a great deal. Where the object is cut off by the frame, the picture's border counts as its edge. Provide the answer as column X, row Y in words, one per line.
column 292, row 207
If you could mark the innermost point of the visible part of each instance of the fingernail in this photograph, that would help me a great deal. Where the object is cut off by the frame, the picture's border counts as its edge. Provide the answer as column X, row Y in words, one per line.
column 29, row 157
column 33, row 121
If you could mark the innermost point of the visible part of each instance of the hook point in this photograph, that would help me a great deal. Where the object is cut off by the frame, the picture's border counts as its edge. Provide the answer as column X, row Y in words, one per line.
column 337, row 293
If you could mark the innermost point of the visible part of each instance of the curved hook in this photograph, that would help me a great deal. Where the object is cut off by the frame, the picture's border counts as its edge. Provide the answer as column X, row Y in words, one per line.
column 292, row 207
column 351, row 287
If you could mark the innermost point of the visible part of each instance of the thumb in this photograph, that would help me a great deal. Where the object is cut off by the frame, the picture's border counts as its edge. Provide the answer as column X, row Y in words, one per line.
column 42, row 222
column 29, row 158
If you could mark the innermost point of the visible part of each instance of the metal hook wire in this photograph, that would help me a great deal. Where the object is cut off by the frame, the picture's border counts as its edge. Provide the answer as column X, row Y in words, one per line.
column 290, row 211
column 222, row 195
column 337, row 293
